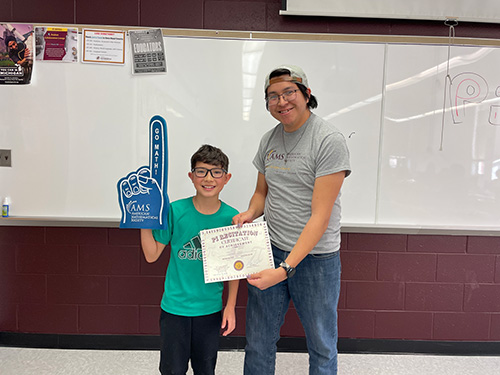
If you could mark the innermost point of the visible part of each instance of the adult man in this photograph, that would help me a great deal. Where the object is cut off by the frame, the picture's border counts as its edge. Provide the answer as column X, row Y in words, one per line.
column 301, row 163
column 18, row 52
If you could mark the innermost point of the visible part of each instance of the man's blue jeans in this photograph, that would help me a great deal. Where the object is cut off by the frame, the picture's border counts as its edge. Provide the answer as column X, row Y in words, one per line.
column 314, row 290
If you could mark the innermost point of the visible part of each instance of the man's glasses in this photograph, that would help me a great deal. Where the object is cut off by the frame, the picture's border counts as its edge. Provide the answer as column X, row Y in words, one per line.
column 202, row 172
column 287, row 96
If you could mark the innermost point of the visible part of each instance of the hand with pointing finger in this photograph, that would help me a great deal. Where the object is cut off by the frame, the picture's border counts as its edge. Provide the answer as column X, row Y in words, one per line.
column 143, row 194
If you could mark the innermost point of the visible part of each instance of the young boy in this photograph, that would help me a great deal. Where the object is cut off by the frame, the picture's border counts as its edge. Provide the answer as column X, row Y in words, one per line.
column 191, row 318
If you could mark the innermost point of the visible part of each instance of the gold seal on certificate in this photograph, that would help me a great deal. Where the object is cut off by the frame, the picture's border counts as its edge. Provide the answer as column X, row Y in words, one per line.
column 231, row 253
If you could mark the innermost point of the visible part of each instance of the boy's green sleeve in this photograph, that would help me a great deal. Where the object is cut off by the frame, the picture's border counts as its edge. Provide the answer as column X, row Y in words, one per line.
column 165, row 235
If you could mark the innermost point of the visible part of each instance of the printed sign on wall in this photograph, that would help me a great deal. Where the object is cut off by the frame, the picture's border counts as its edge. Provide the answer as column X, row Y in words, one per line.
column 56, row 44
column 142, row 194
column 103, row 46
column 148, row 51
column 16, row 53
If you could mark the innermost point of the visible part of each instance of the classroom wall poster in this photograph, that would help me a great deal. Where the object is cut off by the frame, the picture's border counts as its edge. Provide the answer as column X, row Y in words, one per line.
column 148, row 51
column 103, row 46
column 16, row 53
column 56, row 44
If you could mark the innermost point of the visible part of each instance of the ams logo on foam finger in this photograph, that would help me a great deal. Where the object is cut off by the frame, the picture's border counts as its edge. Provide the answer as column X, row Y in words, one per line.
column 132, row 207
column 142, row 194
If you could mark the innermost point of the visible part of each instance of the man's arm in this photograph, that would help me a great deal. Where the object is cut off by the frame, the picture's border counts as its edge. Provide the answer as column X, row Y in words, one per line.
column 326, row 190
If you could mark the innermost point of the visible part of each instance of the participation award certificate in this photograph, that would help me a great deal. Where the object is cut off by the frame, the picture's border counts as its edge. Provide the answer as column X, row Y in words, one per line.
column 231, row 253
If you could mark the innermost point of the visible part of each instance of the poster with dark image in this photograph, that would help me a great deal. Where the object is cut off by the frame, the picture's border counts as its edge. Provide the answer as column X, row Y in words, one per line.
column 16, row 53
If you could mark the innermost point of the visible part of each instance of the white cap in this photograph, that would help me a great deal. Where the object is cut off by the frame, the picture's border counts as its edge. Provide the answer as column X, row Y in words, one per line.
column 297, row 75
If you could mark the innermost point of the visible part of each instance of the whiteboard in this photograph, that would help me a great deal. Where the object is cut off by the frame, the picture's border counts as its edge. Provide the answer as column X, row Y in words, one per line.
column 461, row 10
column 78, row 128
column 435, row 169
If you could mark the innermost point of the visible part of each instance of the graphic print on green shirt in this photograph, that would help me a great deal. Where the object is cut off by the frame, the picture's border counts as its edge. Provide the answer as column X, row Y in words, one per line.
column 191, row 250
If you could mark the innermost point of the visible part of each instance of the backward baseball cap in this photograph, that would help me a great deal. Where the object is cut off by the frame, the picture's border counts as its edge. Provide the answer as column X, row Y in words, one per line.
column 297, row 75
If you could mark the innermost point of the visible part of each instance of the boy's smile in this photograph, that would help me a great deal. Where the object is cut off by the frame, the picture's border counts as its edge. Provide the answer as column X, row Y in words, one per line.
column 208, row 186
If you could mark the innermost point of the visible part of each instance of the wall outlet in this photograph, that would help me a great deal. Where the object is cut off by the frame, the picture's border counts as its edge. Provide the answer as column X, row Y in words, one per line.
column 5, row 158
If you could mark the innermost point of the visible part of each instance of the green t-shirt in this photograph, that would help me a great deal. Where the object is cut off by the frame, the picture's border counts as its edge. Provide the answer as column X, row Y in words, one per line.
column 186, row 293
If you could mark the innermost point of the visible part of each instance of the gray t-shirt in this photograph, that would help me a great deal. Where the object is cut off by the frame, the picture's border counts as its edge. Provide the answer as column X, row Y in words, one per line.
column 316, row 149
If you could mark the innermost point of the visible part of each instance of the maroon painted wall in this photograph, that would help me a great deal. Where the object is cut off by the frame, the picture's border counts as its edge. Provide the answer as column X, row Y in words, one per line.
column 395, row 286
column 95, row 280
column 250, row 15
column 420, row 287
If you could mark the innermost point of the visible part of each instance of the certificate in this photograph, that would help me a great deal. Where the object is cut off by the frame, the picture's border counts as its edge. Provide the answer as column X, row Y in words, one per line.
column 231, row 253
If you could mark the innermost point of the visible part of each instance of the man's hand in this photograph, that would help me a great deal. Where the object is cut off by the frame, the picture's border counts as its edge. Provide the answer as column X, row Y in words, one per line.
column 267, row 278
column 242, row 218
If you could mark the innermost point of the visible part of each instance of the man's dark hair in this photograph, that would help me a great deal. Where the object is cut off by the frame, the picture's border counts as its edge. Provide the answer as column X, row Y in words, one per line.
column 210, row 155
column 311, row 103
column 8, row 39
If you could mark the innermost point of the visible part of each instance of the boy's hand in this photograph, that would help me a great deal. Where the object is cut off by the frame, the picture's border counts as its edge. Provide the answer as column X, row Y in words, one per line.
column 228, row 320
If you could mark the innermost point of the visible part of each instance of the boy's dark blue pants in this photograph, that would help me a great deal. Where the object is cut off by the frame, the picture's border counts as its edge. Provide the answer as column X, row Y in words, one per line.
column 184, row 338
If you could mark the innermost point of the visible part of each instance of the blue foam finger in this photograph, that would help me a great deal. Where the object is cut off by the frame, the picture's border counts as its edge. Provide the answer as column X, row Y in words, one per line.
column 158, row 162
column 142, row 194
column 158, row 156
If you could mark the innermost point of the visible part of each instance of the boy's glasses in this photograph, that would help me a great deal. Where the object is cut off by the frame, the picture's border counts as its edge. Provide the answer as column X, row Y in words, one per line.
column 202, row 172
column 287, row 96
